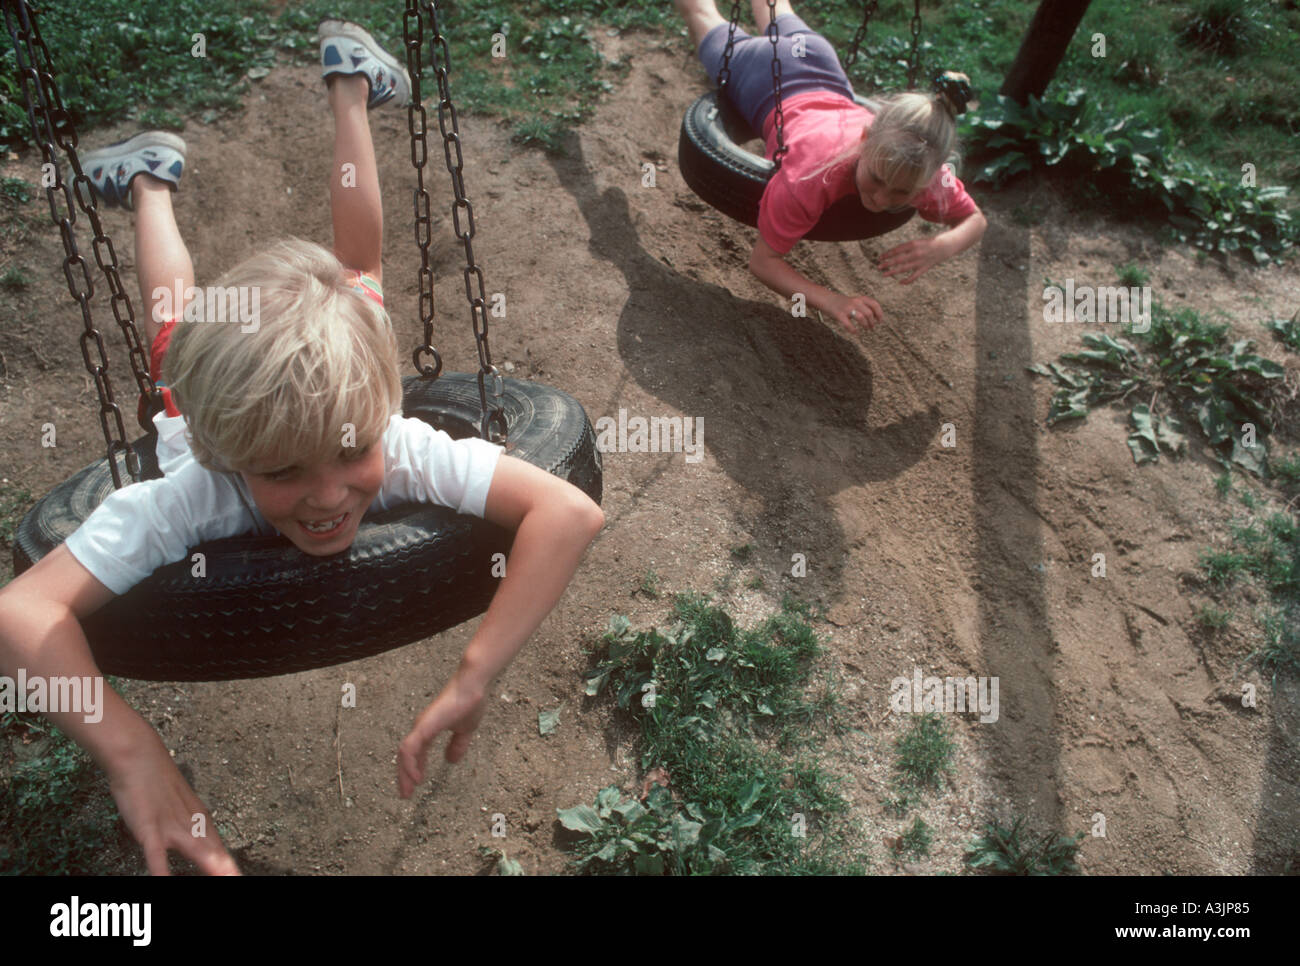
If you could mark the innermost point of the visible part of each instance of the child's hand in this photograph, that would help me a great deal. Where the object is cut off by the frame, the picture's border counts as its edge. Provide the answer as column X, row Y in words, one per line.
column 917, row 257
column 857, row 313
column 459, row 708
column 159, row 808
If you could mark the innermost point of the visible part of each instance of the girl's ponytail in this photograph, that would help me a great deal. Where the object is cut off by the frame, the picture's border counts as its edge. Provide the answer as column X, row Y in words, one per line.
column 953, row 91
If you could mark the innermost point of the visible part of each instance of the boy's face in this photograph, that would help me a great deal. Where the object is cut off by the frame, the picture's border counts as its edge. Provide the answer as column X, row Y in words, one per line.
column 319, row 506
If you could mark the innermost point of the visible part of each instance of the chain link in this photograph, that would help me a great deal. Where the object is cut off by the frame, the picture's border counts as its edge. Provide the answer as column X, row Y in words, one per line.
column 914, row 59
column 774, row 35
column 417, row 124
column 860, row 35
column 493, row 426
column 41, row 96
column 724, row 73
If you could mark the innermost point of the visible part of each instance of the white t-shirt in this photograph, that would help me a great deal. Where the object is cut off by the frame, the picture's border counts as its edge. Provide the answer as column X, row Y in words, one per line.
column 141, row 527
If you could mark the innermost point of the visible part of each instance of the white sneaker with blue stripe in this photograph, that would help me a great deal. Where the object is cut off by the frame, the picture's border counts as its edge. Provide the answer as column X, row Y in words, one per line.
column 346, row 48
column 110, row 169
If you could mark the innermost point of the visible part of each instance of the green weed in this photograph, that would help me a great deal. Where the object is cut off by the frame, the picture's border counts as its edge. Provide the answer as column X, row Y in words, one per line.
column 723, row 711
column 650, row 585
column 1212, row 617
column 14, row 279
column 56, row 816
column 1281, row 648
column 14, row 502
column 925, row 753
column 1185, row 374
column 1013, row 850
column 1287, row 331
column 916, row 840
column 1132, row 276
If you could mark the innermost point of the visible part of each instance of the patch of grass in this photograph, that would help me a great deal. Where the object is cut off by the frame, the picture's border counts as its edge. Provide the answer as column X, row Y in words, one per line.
column 1265, row 551
column 1286, row 470
column 724, row 712
column 16, row 190
column 743, row 553
column 1224, row 27
column 1287, row 331
column 1223, row 483
column 56, row 816
column 1213, row 618
column 1223, row 566
column 1281, row 648
column 114, row 60
column 754, row 583
column 14, row 502
column 925, row 752
column 1131, row 275
column 1015, row 850
column 649, row 585
column 916, row 840
column 14, row 279
column 1184, row 374
column 114, row 56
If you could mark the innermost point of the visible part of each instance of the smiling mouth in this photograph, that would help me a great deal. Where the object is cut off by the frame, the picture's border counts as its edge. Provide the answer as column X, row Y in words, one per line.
column 325, row 528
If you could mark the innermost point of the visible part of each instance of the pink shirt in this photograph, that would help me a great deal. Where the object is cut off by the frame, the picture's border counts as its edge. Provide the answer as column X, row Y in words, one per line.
column 819, row 126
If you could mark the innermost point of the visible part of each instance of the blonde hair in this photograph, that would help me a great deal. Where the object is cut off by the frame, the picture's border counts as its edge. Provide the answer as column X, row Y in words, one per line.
column 281, row 391
column 910, row 139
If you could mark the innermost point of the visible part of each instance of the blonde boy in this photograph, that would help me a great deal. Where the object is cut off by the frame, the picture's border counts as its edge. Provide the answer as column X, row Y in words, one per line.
column 265, row 404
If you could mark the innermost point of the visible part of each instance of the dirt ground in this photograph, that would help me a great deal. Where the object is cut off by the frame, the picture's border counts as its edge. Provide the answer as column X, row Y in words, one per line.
column 975, row 559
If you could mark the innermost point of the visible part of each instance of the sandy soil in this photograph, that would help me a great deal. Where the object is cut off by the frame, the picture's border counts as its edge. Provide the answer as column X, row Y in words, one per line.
column 973, row 559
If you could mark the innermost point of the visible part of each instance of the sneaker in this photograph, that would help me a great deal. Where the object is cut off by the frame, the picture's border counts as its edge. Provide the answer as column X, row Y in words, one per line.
column 346, row 48
column 111, row 169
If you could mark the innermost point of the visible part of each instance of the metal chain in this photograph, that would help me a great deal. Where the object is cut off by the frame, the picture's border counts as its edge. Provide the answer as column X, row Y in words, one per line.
column 102, row 245
column 493, row 426
column 914, row 59
column 724, row 74
column 55, row 125
column 416, row 123
column 774, row 35
column 869, row 10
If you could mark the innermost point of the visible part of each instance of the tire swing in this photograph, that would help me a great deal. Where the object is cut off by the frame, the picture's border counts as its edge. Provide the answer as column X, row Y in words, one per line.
column 731, row 179
column 264, row 607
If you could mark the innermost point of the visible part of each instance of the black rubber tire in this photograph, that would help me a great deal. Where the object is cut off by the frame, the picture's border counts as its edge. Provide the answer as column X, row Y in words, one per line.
column 266, row 608
column 732, row 180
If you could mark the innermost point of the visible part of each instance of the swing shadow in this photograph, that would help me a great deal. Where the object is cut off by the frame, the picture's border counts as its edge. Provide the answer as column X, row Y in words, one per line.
column 757, row 359
column 752, row 372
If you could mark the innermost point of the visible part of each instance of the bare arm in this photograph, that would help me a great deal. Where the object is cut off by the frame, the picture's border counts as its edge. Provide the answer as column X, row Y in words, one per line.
column 554, row 522
column 40, row 631
column 913, row 259
column 856, row 313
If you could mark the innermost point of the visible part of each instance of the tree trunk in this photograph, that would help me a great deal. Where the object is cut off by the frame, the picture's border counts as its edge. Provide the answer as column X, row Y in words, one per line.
column 1043, row 47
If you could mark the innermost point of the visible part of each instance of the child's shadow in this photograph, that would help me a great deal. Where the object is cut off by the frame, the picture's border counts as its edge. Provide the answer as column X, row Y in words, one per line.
column 784, row 400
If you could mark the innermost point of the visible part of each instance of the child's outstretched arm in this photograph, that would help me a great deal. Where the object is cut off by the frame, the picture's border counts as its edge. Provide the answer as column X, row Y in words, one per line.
column 554, row 522
column 857, row 313
column 40, row 631
column 915, row 258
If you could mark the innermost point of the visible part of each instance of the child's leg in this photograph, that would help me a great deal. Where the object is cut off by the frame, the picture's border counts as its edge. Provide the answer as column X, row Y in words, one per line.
column 761, row 12
column 162, row 261
column 355, row 203
column 701, row 16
